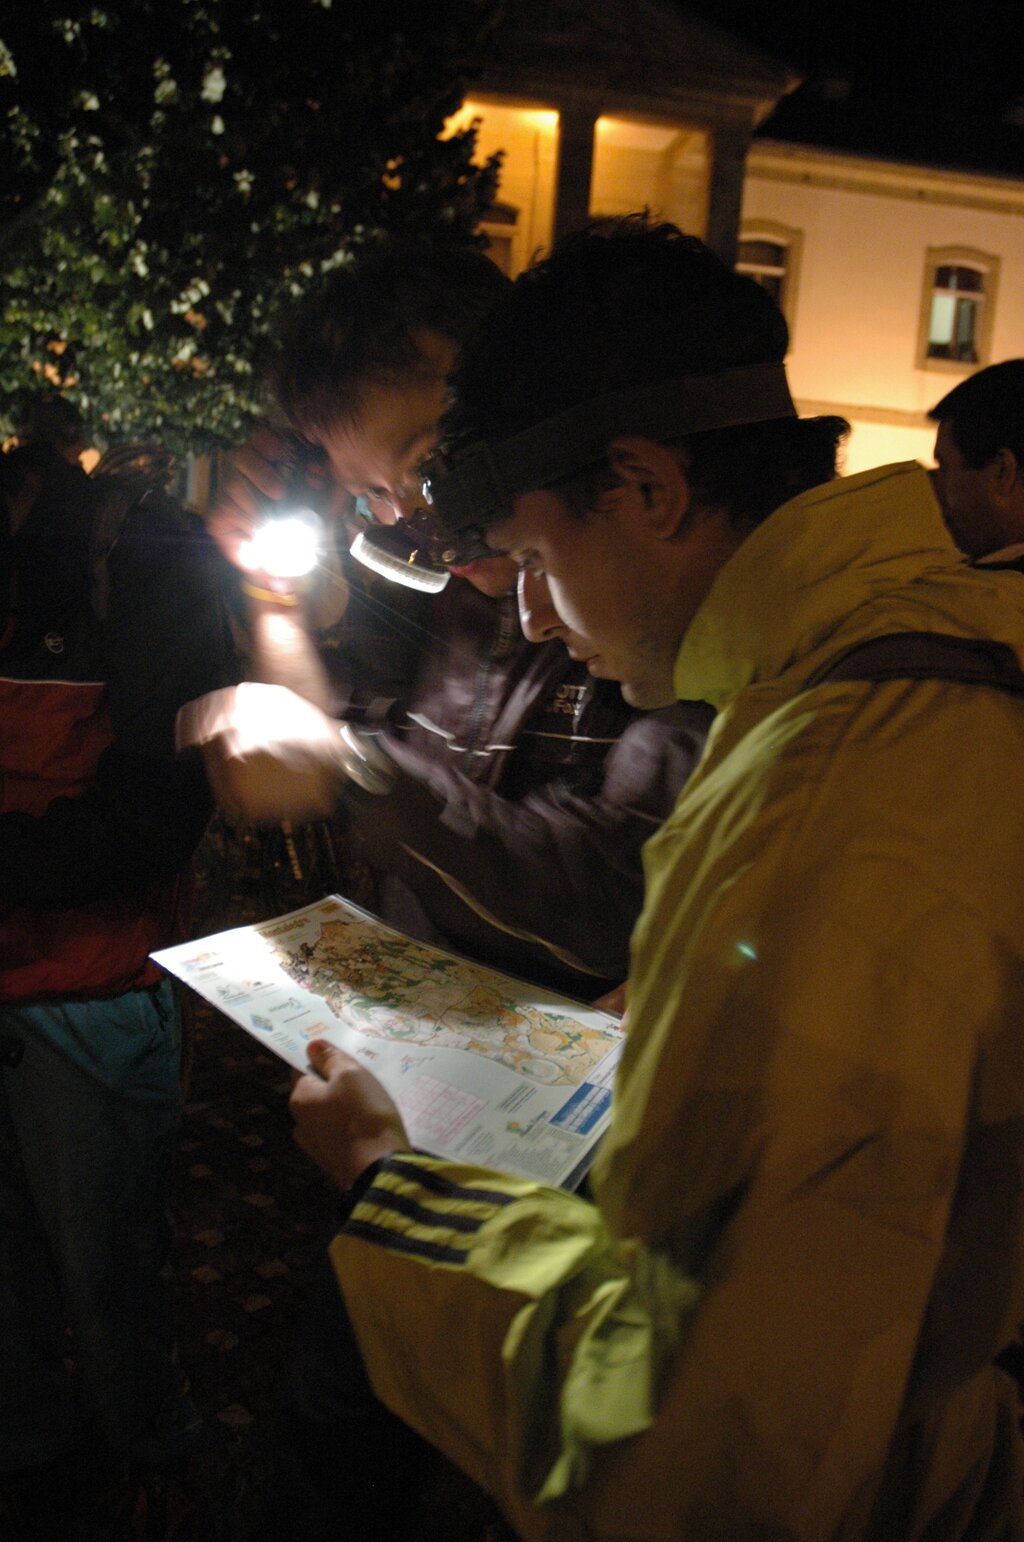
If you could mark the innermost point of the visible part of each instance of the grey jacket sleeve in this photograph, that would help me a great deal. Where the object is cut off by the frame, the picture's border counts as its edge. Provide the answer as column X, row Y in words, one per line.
column 549, row 886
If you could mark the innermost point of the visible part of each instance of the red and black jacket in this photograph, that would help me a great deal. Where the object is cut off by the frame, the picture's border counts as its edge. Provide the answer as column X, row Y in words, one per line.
column 113, row 619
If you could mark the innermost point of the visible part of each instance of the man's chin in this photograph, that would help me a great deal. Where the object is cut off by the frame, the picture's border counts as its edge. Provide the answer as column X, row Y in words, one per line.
column 647, row 695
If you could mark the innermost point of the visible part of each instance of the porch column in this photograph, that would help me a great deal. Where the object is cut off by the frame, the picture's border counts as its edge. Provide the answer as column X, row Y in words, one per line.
column 725, row 191
column 575, row 165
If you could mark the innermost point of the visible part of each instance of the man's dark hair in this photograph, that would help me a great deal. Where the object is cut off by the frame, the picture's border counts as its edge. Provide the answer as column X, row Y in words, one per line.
column 358, row 330
column 625, row 303
column 46, row 417
column 985, row 413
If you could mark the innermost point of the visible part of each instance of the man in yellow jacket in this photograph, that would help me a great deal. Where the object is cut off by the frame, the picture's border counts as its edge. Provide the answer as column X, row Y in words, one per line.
column 779, row 1315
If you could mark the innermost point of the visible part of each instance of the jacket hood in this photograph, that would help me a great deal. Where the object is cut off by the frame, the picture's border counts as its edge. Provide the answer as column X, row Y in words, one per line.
column 853, row 559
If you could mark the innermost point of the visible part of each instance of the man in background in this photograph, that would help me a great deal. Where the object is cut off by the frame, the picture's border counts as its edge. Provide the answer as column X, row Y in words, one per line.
column 111, row 619
column 49, row 420
column 979, row 450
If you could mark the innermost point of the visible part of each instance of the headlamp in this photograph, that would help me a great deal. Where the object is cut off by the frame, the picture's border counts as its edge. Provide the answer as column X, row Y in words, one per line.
column 418, row 551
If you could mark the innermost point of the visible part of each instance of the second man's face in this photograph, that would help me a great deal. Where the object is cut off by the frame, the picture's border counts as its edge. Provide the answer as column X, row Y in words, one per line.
column 964, row 496
column 581, row 579
column 621, row 583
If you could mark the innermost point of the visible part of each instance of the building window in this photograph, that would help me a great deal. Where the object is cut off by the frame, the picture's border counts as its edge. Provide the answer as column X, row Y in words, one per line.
column 770, row 254
column 956, row 310
column 765, row 261
column 954, row 325
column 500, row 230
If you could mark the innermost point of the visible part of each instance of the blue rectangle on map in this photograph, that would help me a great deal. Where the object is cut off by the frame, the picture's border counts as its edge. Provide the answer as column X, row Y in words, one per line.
column 587, row 1106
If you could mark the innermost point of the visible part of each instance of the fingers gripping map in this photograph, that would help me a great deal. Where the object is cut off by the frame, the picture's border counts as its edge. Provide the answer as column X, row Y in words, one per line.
column 482, row 1066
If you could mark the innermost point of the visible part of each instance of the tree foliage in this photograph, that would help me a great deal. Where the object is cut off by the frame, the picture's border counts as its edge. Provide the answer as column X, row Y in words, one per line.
column 179, row 174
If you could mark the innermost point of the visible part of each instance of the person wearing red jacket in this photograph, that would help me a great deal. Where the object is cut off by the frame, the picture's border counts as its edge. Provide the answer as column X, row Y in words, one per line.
column 112, row 619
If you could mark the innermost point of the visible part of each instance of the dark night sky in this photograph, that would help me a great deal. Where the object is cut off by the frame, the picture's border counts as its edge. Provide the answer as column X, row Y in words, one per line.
column 933, row 49
column 933, row 79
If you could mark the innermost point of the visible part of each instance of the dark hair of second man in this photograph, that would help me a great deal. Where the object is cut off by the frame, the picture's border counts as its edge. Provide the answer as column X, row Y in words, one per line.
column 358, row 330
column 985, row 413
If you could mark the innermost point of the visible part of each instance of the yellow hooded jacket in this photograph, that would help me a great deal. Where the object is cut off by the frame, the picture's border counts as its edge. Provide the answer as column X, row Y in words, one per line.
column 778, row 1321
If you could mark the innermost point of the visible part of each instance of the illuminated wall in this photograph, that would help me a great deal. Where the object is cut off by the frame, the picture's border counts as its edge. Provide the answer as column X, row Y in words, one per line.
column 884, row 444
column 865, row 230
column 529, row 138
column 659, row 166
column 637, row 164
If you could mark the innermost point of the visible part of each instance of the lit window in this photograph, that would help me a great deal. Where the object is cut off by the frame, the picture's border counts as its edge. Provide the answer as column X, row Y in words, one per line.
column 957, row 304
column 765, row 261
column 955, row 323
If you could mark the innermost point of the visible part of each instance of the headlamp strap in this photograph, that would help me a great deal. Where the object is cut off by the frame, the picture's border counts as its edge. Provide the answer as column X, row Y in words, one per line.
column 487, row 476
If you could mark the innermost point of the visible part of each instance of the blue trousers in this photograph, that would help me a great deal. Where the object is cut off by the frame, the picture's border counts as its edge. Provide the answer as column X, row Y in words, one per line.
column 88, row 1122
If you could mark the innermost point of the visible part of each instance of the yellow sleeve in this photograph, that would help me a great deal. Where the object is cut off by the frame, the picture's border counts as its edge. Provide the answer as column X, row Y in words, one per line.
column 499, row 1319
column 600, row 1392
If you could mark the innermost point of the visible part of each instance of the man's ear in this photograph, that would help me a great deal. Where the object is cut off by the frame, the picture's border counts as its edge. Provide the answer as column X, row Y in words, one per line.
column 658, row 473
column 1006, row 474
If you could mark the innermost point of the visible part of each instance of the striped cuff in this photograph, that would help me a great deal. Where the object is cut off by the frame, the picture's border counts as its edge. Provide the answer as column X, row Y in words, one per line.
column 409, row 1207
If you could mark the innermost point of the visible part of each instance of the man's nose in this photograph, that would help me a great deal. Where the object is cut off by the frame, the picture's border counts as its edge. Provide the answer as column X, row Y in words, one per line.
column 539, row 619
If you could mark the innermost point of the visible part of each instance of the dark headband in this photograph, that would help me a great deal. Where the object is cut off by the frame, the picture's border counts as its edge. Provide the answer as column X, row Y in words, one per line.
column 478, row 486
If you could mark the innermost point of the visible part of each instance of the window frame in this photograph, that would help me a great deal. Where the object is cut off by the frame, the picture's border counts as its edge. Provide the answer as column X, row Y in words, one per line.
column 501, row 228
column 985, row 263
column 792, row 239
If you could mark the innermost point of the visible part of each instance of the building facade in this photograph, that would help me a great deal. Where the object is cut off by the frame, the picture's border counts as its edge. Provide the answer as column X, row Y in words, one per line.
column 897, row 279
column 897, row 282
column 605, row 106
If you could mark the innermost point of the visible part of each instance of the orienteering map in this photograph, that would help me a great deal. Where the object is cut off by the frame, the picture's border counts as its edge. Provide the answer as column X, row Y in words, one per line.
column 482, row 1066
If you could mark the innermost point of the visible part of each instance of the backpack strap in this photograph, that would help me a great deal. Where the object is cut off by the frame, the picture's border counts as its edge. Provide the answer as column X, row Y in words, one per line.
column 117, row 498
column 927, row 656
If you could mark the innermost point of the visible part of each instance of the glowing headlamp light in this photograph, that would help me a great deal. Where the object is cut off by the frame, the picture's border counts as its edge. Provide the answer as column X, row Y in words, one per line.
column 419, row 550
column 285, row 546
column 416, row 552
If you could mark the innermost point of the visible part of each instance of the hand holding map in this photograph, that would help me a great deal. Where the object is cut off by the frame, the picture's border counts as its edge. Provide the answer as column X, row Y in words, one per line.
column 344, row 1119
